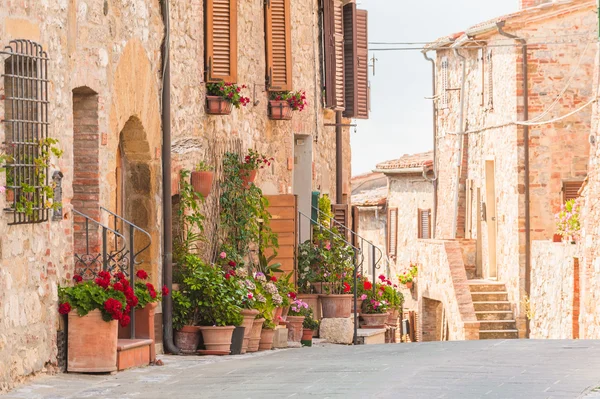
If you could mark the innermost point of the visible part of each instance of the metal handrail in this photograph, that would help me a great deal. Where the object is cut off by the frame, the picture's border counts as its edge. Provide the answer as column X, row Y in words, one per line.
column 130, row 225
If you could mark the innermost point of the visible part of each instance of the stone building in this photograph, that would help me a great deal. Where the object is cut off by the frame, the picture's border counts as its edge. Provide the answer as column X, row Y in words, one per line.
column 101, row 96
column 500, row 181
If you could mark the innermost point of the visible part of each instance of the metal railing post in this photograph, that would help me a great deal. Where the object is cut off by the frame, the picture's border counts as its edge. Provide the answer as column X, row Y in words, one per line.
column 104, row 254
column 355, row 299
column 132, row 277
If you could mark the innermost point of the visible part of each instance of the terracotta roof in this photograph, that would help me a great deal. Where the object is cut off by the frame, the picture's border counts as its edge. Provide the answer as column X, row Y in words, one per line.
column 408, row 161
column 375, row 197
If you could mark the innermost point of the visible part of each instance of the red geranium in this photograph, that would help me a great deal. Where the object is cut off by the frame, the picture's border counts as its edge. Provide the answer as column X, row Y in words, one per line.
column 347, row 288
column 118, row 287
column 104, row 275
column 64, row 308
column 124, row 321
column 274, row 279
column 112, row 306
column 367, row 285
column 142, row 274
column 125, row 282
column 232, row 263
column 151, row 290
column 77, row 278
column 119, row 276
column 292, row 295
column 104, row 283
column 165, row 290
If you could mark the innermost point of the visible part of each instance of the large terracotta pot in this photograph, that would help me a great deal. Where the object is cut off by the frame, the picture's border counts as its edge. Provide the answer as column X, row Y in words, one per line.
column 202, row 182
column 248, row 176
column 280, row 110
column 266, row 339
column 393, row 317
column 321, row 288
column 294, row 324
column 237, row 340
column 255, row 336
column 285, row 313
column 92, row 343
column 187, row 339
column 144, row 326
column 358, row 305
column 314, row 302
column 336, row 306
column 249, row 316
column 217, row 338
column 216, row 105
column 376, row 319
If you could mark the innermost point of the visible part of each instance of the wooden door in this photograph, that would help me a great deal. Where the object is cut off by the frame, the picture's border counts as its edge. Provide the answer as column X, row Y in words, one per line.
column 490, row 193
column 284, row 211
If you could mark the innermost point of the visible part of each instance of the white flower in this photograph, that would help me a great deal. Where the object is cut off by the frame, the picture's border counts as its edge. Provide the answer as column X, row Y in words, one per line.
column 261, row 298
column 271, row 288
column 277, row 299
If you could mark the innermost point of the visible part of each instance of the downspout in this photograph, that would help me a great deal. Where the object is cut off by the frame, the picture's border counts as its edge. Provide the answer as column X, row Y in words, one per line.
column 167, row 302
column 461, row 132
column 338, row 158
column 435, row 181
column 526, row 162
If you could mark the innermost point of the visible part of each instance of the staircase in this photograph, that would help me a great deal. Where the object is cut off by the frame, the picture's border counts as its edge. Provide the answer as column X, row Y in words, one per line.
column 493, row 310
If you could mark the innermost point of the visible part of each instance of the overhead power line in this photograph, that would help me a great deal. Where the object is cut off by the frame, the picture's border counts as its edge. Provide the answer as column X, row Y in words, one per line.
column 478, row 47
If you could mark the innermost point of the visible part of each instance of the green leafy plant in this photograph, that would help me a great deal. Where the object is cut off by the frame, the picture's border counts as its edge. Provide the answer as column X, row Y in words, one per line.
column 296, row 99
column 255, row 160
column 190, row 220
column 230, row 92
column 202, row 166
column 409, row 274
column 310, row 323
column 374, row 306
column 184, row 314
column 567, row 220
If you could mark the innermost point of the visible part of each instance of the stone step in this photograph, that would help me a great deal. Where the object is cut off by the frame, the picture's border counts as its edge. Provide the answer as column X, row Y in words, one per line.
column 133, row 353
column 486, row 286
column 491, row 305
column 488, row 325
column 494, row 315
column 489, row 296
column 498, row 334
column 370, row 336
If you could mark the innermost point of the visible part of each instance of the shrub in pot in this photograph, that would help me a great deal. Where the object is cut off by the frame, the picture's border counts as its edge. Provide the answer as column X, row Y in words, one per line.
column 202, row 178
column 253, row 161
column 393, row 298
column 221, row 96
column 95, row 309
column 374, row 311
column 299, row 310
column 185, row 317
column 408, row 276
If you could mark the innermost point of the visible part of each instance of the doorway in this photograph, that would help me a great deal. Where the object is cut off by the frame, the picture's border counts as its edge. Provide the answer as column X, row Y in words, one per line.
column 490, row 218
column 303, row 180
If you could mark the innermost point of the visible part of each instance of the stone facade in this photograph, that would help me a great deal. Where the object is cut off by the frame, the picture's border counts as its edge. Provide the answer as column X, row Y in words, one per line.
column 106, row 82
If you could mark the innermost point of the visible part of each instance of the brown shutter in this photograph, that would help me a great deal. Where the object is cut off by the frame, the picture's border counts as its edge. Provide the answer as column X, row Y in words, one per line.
column 392, row 233
column 424, row 223
column 340, row 215
column 333, row 41
column 571, row 189
column 278, row 45
column 356, row 63
column 355, row 225
column 221, row 40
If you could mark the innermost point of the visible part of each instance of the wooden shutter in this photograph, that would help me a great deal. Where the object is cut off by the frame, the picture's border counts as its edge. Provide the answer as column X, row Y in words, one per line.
column 356, row 63
column 278, row 45
column 284, row 211
column 392, row 233
column 489, row 81
column 424, row 223
column 221, row 40
column 340, row 215
column 571, row 189
column 333, row 42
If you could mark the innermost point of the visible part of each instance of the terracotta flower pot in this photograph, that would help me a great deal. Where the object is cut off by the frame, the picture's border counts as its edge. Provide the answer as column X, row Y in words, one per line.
column 294, row 324
column 266, row 339
column 280, row 110
column 249, row 316
column 217, row 338
column 375, row 319
column 409, row 285
column 321, row 288
column 10, row 196
column 557, row 238
column 277, row 314
column 202, row 182
column 216, row 105
column 314, row 302
column 393, row 317
column 307, row 334
column 248, row 176
column 187, row 339
column 285, row 313
column 358, row 306
column 92, row 343
column 336, row 306
column 237, row 340
column 144, row 326
column 255, row 335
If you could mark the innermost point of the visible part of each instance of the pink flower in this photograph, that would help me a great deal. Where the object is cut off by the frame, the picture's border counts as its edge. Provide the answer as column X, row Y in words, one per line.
column 328, row 246
column 250, row 296
column 2, row 189
column 223, row 255
column 363, row 297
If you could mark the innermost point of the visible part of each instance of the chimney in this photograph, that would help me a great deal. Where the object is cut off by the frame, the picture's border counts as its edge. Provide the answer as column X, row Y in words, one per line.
column 532, row 3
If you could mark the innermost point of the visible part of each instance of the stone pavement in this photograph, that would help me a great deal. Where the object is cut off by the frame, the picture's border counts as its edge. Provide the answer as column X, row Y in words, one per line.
column 467, row 369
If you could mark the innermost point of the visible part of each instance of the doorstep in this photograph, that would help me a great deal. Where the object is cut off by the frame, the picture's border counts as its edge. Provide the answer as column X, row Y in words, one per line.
column 133, row 353
column 370, row 336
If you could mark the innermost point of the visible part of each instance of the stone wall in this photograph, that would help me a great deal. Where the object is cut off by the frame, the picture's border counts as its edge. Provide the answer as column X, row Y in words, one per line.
column 372, row 226
column 554, row 291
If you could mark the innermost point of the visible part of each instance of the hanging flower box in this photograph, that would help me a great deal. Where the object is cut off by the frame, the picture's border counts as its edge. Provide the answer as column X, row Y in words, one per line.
column 280, row 110
column 281, row 104
column 222, row 96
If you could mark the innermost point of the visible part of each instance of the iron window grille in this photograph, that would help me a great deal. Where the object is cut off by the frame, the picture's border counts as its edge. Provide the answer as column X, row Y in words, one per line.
column 26, row 131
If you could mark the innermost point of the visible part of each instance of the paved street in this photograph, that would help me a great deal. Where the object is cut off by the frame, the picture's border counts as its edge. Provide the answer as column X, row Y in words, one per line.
column 468, row 369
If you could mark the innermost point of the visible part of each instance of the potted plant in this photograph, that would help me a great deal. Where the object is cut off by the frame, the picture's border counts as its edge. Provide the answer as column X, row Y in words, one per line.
column 393, row 298
column 408, row 276
column 202, row 178
column 95, row 309
column 281, row 104
column 185, row 317
column 568, row 225
column 190, row 220
column 252, row 162
column 310, row 326
column 245, row 290
column 267, row 335
column 374, row 311
column 222, row 95
column 299, row 310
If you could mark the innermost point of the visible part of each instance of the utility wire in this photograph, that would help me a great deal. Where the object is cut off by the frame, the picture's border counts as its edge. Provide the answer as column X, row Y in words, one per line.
column 591, row 34
column 476, row 47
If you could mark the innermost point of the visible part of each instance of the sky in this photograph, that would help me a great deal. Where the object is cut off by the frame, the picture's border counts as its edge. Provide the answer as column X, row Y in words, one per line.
column 400, row 121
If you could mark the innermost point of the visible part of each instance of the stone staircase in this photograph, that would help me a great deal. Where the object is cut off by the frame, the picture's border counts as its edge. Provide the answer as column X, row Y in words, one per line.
column 493, row 310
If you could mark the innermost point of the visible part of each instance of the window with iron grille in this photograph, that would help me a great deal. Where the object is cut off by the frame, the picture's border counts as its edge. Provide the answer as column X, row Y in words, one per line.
column 444, row 88
column 29, row 190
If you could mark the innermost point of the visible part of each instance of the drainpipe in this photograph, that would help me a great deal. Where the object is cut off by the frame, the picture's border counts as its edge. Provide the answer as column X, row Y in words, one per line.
column 435, row 181
column 461, row 132
column 167, row 302
column 526, row 161
column 338, row 158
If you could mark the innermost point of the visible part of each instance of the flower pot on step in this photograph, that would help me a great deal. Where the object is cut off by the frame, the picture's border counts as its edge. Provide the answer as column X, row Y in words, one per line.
column 358, row 306
column 255, row 335
column 409, row 285
column 266, row 339
column 217, row 338
column 280, row 110
column 216, row 105
column 307, row 336
column 248, row 176
column 336, row 305
column 144, row 327
column 187, row 339
column 294, row 325
column 92, row 343
column 249, row 316
column 314, row 302
column 202, row 182
column 375, row 319
column 237, row 340
column 393, row 317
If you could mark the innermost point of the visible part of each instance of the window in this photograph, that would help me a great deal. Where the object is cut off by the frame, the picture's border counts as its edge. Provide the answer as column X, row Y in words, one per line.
column 221, row 40
column 392, row 233
column 444, row 84
column 571, row 189
column 278, row 45
column 340, row 215
column 424, row 224
column 488, row 88
column 356, row 62
column 333, row 49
